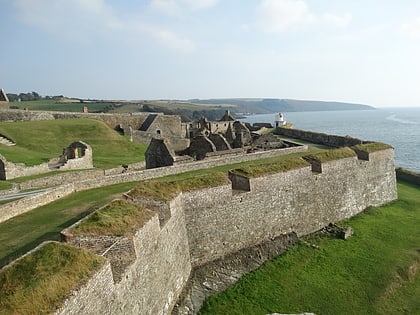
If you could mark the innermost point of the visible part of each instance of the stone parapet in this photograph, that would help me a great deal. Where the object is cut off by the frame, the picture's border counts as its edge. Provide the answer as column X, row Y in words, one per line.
column 17, row 207
column 148, row 270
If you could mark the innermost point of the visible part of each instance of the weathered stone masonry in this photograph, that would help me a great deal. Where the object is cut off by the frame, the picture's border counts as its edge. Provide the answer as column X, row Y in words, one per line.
column 153, row 282
column 14, row 208
column 213, row 222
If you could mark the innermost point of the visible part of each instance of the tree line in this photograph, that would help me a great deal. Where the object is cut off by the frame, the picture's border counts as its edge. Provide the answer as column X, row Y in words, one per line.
column 30, row 96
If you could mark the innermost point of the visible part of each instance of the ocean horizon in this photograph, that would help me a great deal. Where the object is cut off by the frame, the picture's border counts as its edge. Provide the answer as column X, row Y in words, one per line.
column 397, row 126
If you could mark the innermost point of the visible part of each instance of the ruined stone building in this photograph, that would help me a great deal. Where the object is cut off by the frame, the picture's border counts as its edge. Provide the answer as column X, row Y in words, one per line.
column 77, row 156
column 207, row 139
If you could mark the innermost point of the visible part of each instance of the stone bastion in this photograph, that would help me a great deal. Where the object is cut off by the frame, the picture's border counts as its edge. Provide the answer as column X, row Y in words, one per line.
column 147, row 271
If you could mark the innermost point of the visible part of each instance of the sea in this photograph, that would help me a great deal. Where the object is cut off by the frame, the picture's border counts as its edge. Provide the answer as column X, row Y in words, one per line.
column 399, row 127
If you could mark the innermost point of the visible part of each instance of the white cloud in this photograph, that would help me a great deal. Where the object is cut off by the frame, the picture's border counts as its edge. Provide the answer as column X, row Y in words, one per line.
column 69, row 18
column 412, row 29
column 82, row 20
column 176, row 7
column 336, row 20
column 284, row 15
column 200, row 4
column 174, row 42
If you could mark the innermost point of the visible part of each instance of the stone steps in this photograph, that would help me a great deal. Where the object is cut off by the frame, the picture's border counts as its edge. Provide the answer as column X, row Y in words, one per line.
column 6, row 142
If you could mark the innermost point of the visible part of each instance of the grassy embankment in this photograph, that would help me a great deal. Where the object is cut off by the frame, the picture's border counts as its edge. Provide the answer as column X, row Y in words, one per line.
column 118, row 218
column 374, row 272
column 39, row 141
column 24, row 232
column 39, row 282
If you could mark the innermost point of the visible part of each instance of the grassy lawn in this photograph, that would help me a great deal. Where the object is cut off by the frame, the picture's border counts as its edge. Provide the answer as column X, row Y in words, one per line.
column 374, row 272
column 22, row 233
column 109, row 148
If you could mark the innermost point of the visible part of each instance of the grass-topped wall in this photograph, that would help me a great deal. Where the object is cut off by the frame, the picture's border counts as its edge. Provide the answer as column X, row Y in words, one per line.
column 317, row 159
column 118, row 218
column 331, row 155
column 281, row 165
column 372, row 147
column 364, row 150
column 167, row 188
column 39, row 282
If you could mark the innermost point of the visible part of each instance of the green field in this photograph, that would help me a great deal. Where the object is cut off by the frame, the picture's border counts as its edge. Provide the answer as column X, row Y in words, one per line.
column 24, row 232
column 108, row 106
column 39, row 141
column 54, row 105
column 374, row 272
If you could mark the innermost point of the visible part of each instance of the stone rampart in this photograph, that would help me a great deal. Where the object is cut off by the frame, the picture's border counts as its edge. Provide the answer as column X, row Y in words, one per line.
column 210, row 223
column 94, row 297
column 318, row 138
column 17, row 207
column 294, row 201
column 199, row 226
column 151, row 283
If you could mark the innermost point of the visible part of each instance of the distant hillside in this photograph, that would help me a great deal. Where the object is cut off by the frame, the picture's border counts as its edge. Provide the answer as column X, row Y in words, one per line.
column 271, row 105
column 188, row 110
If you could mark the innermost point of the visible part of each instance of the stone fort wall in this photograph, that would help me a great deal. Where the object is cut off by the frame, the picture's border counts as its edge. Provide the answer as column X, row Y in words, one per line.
column 210, row 223
column 151, row 284
column 163, row 125
column 94, row 179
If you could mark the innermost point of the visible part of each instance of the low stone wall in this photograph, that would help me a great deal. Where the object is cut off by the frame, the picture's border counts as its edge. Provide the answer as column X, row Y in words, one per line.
column 112, row 120
column 408, row 176
column 9, row 170
column 60, row 179
column 17, row 207
column 318, row 138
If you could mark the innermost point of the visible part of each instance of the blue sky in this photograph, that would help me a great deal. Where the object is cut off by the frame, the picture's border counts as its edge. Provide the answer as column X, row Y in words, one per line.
column 343, row 50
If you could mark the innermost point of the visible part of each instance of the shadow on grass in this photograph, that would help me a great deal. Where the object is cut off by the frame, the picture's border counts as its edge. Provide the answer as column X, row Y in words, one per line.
column 53, row 235
column 49, row 236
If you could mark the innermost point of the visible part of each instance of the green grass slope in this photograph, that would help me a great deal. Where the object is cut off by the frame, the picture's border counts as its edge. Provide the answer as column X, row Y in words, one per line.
column 40, row 281
column 26, row 231
column 39, row 141
column 374, row 272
